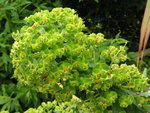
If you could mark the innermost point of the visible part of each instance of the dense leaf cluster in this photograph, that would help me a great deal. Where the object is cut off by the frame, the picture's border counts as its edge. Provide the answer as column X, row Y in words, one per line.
column 52, row 54
column 18, row 97
column 13, row 96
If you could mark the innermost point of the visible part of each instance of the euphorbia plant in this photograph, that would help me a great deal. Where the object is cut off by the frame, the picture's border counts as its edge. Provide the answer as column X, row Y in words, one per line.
column 52, row 54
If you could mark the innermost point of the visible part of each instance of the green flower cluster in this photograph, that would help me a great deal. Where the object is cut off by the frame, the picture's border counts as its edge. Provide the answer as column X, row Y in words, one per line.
column 55, row 107
column 4, row 112
column 128, row 77
column 126, row 100
column 114, row 55
column 52, row 49
column 107, row 99
column 52, row 54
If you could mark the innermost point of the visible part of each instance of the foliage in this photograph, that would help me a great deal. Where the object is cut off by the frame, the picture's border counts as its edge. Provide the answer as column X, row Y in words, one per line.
column 13, row 96
column 12, row 13
column 132, row 59
column 55, row 107
column 52, row 54
column 17, row 97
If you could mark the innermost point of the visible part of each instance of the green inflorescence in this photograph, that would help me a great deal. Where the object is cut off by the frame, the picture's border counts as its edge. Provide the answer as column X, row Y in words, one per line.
column 52, row 54
column 55, row 107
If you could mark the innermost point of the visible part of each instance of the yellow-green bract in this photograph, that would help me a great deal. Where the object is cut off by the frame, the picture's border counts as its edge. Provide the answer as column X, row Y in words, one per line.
column 52, row 54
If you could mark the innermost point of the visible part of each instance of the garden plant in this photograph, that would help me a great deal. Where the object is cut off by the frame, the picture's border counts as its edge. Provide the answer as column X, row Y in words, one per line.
column 82, row 72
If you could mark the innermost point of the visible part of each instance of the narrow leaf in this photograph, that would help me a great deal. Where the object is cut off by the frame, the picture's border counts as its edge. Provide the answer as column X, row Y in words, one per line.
column 145, row 32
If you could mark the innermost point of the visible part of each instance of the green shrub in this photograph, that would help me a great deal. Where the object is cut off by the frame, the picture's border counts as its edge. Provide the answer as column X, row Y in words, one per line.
column 52, row 54
column 13, row 96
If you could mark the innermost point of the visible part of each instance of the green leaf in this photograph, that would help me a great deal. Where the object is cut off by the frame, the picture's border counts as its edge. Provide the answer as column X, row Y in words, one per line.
column 133, row 109
column 7, row 27
column 4, row 99
column 145, row 71
column 57, row 3
column 2, row 75
column 146, row 107
column 116, row 107
column 145, row 94
column 15, row 105
column 2, row 1
column 97, row 1
column 22, row 3
column 6, row 106
column 5, row 58
column 117, row 35
column 8, row 8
